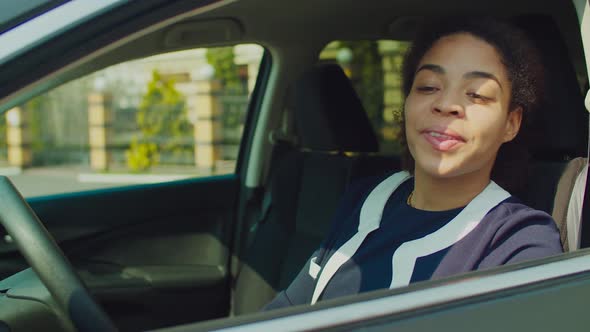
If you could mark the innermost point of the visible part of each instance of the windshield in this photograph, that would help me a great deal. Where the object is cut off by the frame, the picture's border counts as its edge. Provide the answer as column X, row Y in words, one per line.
column 13, row 13
column 41, row 28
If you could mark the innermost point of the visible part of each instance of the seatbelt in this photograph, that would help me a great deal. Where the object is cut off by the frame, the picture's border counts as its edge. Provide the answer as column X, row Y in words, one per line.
column 281, row 138
column 585, row 222
column 264, row 200
column 265, row 207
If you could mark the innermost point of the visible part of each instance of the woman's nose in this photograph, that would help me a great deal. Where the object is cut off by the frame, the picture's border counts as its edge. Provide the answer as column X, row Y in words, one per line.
column 448, row 105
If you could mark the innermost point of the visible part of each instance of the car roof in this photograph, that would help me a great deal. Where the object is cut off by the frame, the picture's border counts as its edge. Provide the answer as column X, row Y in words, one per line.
column 315, row 23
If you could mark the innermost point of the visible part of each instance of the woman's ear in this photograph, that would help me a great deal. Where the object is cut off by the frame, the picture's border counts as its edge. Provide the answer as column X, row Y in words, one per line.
column 513, row 124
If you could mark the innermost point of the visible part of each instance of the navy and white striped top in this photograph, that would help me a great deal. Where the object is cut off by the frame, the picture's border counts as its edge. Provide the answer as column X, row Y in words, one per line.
column 510, row 232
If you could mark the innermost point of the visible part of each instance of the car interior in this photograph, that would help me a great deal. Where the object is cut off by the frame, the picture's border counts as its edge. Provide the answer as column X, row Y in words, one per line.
column 193, row 250
column 334, row 172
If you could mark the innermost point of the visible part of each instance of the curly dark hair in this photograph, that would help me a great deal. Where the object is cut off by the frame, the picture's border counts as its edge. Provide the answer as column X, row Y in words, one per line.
column 525, row 73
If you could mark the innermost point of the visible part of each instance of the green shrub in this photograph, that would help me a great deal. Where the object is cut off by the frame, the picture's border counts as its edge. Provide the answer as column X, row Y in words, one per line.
column 141, row 156
column 163, row 123
column 226, row 70
column 367, row 77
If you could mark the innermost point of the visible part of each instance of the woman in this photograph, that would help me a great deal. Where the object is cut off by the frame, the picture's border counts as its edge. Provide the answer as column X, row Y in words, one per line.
column 469, row 86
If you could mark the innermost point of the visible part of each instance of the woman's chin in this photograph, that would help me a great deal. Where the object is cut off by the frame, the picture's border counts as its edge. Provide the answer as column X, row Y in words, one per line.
column 439, row 170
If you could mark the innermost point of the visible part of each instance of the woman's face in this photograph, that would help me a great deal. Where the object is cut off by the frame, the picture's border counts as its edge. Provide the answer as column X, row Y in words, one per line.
column 457, row 112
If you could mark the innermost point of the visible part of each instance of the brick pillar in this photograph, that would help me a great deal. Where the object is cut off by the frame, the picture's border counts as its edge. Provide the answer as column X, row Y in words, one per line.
column 18, row 138
column 99, row 127
column 253, row 68
column 207, row 124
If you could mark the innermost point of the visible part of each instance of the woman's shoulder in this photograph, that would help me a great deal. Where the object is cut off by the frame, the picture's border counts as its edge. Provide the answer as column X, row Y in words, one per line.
column 512, row 216
column 519, row 232
column 512, row 212
column 511, row 232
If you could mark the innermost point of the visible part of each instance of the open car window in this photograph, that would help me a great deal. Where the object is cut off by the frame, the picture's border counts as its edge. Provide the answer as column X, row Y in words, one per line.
column 161, row 118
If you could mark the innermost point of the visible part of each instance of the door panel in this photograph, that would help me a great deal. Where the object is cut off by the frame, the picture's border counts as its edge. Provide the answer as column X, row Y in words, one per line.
column 154, row 255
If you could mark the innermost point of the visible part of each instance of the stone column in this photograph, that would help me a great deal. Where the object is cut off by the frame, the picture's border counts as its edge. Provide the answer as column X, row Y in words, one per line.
column 18, row 138
column 99, row 127
column 207, row 123
column 253, row 68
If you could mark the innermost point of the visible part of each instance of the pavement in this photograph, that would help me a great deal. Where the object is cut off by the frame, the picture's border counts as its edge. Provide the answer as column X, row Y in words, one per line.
column 42, row 181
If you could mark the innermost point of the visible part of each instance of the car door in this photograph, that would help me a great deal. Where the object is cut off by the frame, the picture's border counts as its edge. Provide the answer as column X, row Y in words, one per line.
column 153, row 245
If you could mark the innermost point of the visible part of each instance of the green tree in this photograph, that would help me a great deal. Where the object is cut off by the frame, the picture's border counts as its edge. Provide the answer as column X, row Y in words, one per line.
column 367, row 78
column 36, row 106
column 163, row 123
column 3, row 138
column 141, row 155
column 226, row 71
column 233, row 94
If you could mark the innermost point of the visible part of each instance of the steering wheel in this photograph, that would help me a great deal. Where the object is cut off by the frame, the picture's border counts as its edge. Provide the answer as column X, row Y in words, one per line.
column 48, row 261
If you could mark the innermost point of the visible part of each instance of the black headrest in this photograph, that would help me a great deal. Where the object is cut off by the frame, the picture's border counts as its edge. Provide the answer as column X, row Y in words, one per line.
column 560, row 124
column 328, row 113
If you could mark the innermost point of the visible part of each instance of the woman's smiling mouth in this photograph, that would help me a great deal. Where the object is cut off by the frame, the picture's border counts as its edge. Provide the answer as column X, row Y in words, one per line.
column 442, row 140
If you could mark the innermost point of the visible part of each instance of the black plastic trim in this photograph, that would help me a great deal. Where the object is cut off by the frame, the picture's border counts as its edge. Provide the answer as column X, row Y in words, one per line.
column 253, row 113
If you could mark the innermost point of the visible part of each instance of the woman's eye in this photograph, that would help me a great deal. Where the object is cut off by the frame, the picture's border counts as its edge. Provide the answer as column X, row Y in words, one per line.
column 478, row 96
column 427, row 89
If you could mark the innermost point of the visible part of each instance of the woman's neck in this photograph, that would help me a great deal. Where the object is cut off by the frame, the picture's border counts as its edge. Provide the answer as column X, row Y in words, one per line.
column 440, row 194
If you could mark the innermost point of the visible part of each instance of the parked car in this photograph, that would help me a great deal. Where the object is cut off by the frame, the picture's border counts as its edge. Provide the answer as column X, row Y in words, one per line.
column 206, row 253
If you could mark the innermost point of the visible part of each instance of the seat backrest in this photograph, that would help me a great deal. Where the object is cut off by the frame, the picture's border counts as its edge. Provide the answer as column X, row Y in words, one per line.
column 567, row 205
column 305, row 183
